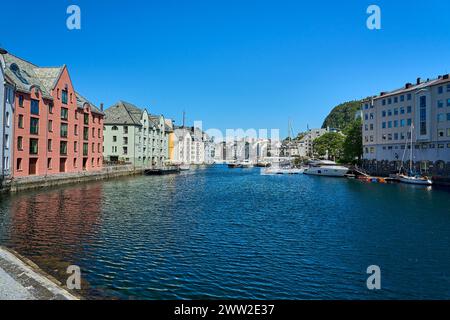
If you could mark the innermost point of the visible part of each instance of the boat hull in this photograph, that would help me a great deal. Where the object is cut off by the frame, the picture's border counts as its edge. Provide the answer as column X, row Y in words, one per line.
column 327, row 172
column 411, row 180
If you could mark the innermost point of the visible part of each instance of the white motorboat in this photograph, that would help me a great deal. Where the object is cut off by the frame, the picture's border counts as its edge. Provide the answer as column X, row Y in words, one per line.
column 246, row 164
column 326, row 168
column 275, row 171
column 185, row 167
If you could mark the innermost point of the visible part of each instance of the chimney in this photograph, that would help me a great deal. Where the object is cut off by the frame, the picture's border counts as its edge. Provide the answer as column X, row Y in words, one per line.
column 101, row 107
column 3, row 51
column 418, row 81
column 446, row 76
column 382, row 93
column 440, row 77
column 408, row 85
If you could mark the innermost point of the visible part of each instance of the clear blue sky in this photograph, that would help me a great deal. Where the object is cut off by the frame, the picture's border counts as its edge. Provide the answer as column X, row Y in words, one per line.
column 233, row 63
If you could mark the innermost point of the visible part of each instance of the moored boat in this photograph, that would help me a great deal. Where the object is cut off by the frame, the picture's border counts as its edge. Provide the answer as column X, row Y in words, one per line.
column 327, row 169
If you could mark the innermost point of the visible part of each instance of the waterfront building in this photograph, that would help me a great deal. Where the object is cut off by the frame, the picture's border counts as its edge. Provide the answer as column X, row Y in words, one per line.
column 389, row 117
column 305, row 147
column 53, row 131
column 209, row 148
column 246, row 149
column 133, row 135
column 182, row 146
column 6, row 120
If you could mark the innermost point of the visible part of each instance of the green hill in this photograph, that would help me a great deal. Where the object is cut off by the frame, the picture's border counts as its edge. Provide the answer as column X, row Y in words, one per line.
column 342, row 115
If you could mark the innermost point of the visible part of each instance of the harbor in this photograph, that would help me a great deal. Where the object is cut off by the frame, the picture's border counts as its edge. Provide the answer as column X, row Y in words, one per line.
column 236, row 235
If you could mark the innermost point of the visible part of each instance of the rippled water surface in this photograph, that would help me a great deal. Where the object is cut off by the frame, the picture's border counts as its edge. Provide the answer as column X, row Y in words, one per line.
column 220, row 233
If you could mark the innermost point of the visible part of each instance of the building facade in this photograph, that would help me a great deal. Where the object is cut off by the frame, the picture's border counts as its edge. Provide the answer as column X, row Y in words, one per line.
column 6, row 120
column 132, row 135
column 416, row 115
column 53, row 132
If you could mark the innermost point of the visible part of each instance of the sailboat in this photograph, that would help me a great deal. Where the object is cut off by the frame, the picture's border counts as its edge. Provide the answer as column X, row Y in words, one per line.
column 411, row 177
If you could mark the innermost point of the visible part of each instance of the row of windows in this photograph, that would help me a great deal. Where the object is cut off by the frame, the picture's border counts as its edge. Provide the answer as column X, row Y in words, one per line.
column 396, row 111
column 34, row 146
column 441, row 117
column 401, row 135
column 396, row 123
column 441, row 89
column 368, row 150
column 397, row 99
column 34, row 109
column 33, row 170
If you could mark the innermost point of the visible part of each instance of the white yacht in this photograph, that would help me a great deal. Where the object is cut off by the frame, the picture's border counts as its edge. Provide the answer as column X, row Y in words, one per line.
column 246, row 164
column 274, row 171
column 326, row 168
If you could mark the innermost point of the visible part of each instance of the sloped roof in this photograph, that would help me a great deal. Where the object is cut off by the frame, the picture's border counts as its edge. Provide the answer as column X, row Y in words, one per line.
column 82, row 100
column 25, row 75
column 123, row 113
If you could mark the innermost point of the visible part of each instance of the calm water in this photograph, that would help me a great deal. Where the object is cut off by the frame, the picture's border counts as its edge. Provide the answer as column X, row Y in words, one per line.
column 220, row 233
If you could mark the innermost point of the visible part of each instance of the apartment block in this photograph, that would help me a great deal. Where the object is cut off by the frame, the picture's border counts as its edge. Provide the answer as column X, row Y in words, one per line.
column 416, row 115
column 55, row 129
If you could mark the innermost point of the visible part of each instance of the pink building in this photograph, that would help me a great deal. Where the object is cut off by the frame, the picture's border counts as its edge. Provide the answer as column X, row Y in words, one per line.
column 55, row 129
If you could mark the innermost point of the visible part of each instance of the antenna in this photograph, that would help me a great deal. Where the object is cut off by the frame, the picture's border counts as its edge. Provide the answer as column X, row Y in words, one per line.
column 184, row 118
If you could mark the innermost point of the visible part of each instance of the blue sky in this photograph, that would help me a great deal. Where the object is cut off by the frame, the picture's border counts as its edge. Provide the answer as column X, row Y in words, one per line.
column 233, row 63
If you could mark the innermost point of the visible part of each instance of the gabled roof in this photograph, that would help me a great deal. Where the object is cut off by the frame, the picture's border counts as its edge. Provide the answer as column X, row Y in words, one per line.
column 81, row 101
column 123, row 113
column 26, row 75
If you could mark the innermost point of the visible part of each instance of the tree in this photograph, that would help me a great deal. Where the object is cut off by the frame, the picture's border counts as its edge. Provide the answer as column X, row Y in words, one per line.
column 330, row 144
column 342, row 115
column 353, row 147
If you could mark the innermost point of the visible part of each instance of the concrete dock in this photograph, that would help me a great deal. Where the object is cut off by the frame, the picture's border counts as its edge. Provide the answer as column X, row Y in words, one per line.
column 20, row 279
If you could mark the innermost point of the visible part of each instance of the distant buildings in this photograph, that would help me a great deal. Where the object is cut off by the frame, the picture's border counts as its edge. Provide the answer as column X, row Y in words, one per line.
column 132, row 135
column 192, row 146
column 245, row 149
column 55, row 130
column 420, row 112
column 304, row 147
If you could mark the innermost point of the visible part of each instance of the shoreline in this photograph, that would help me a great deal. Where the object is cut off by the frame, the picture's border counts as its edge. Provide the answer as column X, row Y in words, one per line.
column 39, row 182
column 23, row 280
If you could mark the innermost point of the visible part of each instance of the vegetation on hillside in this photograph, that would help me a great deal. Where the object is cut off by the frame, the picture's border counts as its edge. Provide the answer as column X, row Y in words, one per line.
column 342, row 115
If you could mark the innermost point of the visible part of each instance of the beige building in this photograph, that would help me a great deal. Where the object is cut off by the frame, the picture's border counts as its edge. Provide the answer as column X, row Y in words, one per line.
column 420, row 112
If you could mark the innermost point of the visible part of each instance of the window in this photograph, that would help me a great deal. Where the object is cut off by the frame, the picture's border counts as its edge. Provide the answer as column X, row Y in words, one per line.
column 423, row 115
column 114, row 128
column 383, row 114
column 395, row 123
column 441, row 133
column 448, row 88
column 440, row 104
column 125, row 130
column 34, row 146
column 34, row 126
column 63, row 148
column 50, row 108
column 86, row 133
column 448, row 116
column 448, row 102
column 389, row 113
column 20, row 121
column 125, row 140
column 75, row 162
column 390, row 101
column 6, row 141
column 19, row 164
column 409, row 122
column 402, row 123
column 64, row 114
column 93, row 147
column 440, row 117
column 35, row 107
column 409, row 96
column 75, row 146
column 21, row 101
column 99, row 148
column 99, row 133
column 409, row 109
column 390, row 124
column 49, row 163
column 64, row 96
column 75, row 130
column 85, row 149
column 396, row 100
column 125, row 150
column 402, row 98
column 76, row 115
column 114, row 138
column 50, row 145
column 395, row 136
column 50, row 125
column 20, row 143
column 402, row 110
column 384, row 125
column 440, row 90
column 86, row 118
column 384, row 102
column 93, row 132
column 448, row 132
column 64, row 130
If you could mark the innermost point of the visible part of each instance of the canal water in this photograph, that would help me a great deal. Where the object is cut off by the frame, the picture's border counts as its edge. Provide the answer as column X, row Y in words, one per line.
column 233, row 233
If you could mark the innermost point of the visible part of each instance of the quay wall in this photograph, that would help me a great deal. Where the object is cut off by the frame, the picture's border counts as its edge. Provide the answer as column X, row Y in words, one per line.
column 37, row 182
column 439, row 170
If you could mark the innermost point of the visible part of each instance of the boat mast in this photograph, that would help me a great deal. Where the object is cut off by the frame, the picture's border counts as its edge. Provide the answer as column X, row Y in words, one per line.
column 411, row 157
